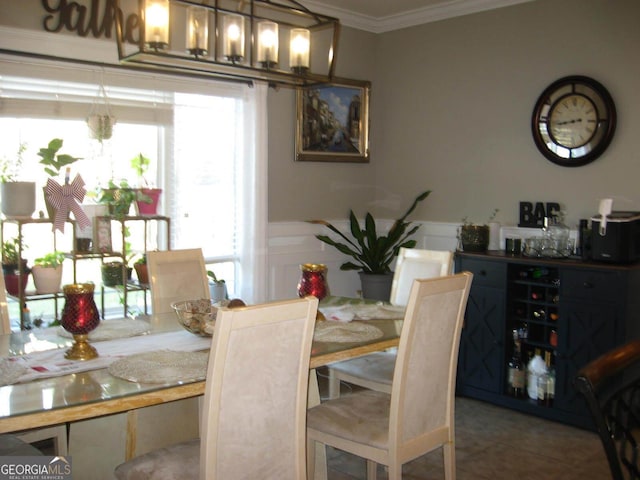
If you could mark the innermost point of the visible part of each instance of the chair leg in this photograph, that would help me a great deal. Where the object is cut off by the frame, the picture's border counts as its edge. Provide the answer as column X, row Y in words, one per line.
column 334, row 384
column 372, row 470
column 395, row 471
column 449, row 454
column 311, row 459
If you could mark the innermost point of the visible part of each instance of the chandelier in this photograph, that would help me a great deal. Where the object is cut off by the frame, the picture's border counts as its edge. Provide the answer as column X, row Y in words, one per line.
column 281, row 42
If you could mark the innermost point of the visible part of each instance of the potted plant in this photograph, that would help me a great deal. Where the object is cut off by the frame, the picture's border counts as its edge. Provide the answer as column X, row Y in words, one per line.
column 142, row 272
column 53, row 163
column 117, row 196
column 147, row 197
column 217, row 287
column 47, row 272
column 373, row 253
column 475, row 237
column 18, row 198
column 10, row 267
column 112, row 273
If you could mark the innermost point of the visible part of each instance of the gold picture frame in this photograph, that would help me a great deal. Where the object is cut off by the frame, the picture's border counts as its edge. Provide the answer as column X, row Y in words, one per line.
column 333, row 122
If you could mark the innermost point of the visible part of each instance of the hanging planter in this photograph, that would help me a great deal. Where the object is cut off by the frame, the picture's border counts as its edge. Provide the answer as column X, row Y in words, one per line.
column 101, row 119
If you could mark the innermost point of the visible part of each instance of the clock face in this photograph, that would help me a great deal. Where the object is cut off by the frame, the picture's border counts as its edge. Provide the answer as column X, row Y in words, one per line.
column 573, row 121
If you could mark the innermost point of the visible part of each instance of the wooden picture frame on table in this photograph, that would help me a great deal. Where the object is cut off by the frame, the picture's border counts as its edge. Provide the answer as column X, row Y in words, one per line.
column 333, row 122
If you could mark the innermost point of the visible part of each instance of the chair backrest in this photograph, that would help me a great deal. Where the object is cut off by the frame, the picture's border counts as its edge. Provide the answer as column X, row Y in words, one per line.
column 5, row 321
column 176, row 275
column 611, row 387
column 422, row 393
column 414, row 263
column 255, row 402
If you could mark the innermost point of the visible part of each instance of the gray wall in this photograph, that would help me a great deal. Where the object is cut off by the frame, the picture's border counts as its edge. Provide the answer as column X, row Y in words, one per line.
column 451, row 109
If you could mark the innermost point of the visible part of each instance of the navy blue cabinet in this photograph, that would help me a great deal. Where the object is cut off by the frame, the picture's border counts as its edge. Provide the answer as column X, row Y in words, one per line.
column 572, row 309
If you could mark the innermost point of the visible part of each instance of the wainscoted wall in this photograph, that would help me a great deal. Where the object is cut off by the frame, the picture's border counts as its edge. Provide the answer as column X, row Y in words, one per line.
column 293, row 243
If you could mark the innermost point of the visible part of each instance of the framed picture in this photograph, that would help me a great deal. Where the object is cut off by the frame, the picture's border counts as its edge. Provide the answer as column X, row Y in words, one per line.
column 333, row 122
column 102, row 235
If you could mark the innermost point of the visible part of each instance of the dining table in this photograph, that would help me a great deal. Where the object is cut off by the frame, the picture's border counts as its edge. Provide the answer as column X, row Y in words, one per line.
column 39, row 387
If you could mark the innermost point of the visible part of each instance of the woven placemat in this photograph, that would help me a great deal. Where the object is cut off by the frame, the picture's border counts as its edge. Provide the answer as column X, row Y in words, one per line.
column 163, row 366
column 112, row 329
column 331, row 331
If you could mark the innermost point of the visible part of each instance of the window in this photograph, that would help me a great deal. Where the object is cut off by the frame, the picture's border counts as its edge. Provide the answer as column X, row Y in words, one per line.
column 201, row 136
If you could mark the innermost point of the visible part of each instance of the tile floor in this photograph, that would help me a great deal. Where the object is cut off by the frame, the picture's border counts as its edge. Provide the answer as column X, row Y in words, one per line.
column 494, row 443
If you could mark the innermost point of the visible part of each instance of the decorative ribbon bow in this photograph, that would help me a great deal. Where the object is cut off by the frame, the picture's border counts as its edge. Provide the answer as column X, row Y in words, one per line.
column 65, row 198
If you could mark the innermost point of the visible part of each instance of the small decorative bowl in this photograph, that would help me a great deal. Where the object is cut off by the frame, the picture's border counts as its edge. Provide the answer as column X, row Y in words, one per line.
column 197, row 316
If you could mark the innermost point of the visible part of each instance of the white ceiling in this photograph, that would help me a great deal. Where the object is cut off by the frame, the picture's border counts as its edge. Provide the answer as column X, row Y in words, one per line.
column 385, row 15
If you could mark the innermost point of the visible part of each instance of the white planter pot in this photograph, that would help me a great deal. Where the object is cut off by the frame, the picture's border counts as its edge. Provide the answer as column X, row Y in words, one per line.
column 47, row 279
column 18, row 199
column 218, row 291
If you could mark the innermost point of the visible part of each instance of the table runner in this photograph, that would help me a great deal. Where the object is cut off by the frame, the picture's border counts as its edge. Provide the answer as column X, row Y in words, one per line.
column 114, row 328
column 51, row 363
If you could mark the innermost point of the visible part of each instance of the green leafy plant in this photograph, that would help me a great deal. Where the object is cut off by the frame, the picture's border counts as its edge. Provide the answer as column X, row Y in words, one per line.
column 52, row 160
column 10, row 167
column 371, row 252
column 466, row 222
column 140, row 165
column 52, row 259
column 118, row 196
column 213, row 277
column 10, row 250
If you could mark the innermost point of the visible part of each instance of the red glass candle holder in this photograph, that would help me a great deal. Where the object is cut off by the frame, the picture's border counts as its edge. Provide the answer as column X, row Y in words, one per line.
column 313, row 280
column 79, row 317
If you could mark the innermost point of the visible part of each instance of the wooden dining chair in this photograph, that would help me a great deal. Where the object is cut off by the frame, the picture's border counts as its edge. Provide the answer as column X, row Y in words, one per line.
column 57, row 433
column 176, row 275
column 611, row 387
column 255, row 401
column 418, row 415
column 375, row 371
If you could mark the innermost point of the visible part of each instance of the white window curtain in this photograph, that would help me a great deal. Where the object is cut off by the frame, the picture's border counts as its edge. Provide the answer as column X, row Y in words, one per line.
column 253, row 240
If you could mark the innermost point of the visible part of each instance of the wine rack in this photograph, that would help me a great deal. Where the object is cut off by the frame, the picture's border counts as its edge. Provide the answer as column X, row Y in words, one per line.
column 534, row 298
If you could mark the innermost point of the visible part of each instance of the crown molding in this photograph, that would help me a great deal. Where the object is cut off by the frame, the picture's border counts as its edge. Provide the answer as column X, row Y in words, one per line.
column 419, row 16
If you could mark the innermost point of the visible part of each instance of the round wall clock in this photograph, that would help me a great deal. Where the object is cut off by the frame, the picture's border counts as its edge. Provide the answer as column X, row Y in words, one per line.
column 573, row 121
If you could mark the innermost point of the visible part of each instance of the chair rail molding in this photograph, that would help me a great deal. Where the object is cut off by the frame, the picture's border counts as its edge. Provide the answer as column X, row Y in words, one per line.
column 293, row 243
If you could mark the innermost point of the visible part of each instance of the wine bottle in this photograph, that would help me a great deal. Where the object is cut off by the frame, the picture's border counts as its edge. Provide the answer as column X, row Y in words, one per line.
column 516, row 370
column 551, row 380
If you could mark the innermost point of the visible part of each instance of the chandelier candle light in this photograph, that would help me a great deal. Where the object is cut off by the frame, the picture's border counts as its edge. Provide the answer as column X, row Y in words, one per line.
column 247, row 43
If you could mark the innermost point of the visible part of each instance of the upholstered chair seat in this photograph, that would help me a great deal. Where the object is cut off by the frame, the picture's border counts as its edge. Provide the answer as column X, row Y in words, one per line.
column 375, row 371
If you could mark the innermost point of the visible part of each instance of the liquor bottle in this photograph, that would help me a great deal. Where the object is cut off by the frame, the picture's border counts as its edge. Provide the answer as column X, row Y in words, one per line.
column 540, row 272
column 551, row 380
column 516, row 369
column 536, row 368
